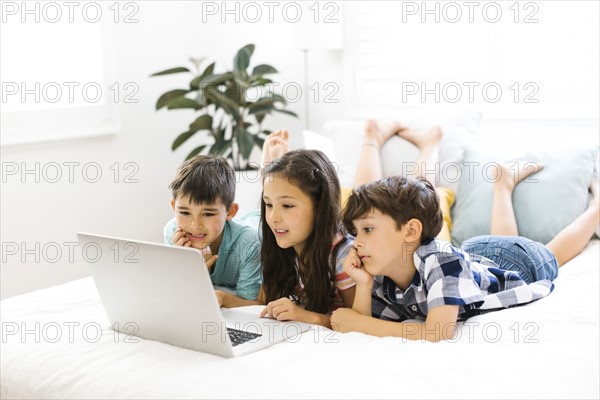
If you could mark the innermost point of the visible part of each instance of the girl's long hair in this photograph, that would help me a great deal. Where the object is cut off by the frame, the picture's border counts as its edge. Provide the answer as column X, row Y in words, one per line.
column 313, row 173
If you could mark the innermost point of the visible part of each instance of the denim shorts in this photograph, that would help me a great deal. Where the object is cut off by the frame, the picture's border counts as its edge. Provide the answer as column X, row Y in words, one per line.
column 532, row 260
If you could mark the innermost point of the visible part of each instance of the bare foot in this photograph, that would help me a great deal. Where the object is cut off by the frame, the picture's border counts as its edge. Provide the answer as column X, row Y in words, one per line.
column 275, row 145
column 510, row 176
column 431, row 137
column 379, row 134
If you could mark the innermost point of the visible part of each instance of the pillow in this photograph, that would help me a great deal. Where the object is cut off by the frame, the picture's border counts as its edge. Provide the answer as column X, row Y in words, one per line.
column 397, row 154
column 345, row 194
column 446, row 202
column 316, row 141
column 544, row 203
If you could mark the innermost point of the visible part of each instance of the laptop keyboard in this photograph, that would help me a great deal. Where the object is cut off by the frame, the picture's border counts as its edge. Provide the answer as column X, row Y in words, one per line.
column 238, row 337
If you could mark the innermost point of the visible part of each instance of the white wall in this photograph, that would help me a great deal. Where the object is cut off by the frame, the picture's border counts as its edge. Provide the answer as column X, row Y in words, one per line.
column 48, row 215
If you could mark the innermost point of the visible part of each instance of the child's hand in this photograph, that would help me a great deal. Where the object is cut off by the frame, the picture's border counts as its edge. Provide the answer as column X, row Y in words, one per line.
column 355, row 269
column 209, row 259
column 345, row 320
column 220, row 295
column 179, row 238
column 283, row 310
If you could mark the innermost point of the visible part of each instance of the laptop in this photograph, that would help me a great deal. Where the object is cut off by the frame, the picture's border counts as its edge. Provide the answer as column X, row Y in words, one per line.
column 164, row 293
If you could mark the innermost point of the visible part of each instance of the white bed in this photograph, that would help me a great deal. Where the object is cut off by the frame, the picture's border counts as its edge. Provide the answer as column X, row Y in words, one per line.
column 547, row 349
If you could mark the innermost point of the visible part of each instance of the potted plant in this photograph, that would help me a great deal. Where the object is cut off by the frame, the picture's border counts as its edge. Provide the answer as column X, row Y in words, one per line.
column 232, row 107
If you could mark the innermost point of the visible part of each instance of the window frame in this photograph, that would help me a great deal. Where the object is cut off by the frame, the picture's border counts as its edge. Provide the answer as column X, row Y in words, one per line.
column 358, row 107
column 26, row 127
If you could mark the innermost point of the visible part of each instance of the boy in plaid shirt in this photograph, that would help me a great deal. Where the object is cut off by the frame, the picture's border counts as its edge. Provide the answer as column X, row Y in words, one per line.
column 402, row 272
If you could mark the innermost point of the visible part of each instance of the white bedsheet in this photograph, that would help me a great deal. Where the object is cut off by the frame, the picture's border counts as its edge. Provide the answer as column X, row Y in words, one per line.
column 548, row 349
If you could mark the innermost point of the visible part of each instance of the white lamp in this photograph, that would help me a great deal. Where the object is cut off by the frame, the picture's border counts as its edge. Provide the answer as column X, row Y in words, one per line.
column 305, row 35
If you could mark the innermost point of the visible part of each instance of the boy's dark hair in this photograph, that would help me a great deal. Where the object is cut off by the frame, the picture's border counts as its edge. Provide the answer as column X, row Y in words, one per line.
column 205, row 179
column 402, row 199
column 313, row 173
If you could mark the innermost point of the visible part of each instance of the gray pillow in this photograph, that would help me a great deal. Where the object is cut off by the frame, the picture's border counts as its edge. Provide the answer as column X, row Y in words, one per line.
column 544, row 203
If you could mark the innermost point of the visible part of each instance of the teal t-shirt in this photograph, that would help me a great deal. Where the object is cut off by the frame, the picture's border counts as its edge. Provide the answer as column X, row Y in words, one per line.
column 238, row 266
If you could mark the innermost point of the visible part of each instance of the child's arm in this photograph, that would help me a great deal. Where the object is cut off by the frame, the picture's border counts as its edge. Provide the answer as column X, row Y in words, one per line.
column 348, row 296
column 439, row 325
column 286, row 310
column 228, row 300
column 364, row 283
column 362, row 299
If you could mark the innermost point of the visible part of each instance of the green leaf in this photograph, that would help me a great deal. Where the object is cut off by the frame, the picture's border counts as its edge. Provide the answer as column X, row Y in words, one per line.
column 241, row 61
column 261, row 109
column 262, row 101
column 168, row 96
column 222, row 100
column 278, row 98
column 215, row 79
column 171, row 71
column 195, row 152
column 235, row 91
column 195, row 83
column 220, row 147
column 264, row 105
column 244, row 141
column 181, row 139
column 263, row 69
column 219, row 134
column 209, row 70
column 288, row 112
column 201, row 98
column 203, row 122
column 249, row 48
column 258, row 141
column 183, row 102
column 260, row 117
column 258, row 81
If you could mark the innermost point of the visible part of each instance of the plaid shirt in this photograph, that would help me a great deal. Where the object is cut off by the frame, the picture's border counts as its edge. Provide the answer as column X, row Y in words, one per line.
column 445, row 275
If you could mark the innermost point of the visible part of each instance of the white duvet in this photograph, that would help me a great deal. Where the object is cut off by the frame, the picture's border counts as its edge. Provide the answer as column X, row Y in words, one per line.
column 56, row 343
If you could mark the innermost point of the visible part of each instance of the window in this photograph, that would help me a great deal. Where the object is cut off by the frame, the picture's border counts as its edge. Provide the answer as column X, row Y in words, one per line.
column 506, row 59
column 56, row 77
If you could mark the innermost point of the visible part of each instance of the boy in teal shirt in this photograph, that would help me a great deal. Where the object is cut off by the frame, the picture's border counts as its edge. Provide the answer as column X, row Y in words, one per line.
column 203, row 194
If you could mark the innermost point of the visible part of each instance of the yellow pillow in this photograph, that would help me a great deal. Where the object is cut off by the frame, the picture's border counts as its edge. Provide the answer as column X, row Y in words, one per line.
column 345, row 194
column 446, row 201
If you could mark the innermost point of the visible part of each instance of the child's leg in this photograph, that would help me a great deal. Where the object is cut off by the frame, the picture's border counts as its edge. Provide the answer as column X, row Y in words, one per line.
column 369, row 161
column 532, row 260
column 574, row 237
column 275, row 145
column 503, row 215
column 428, row 142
